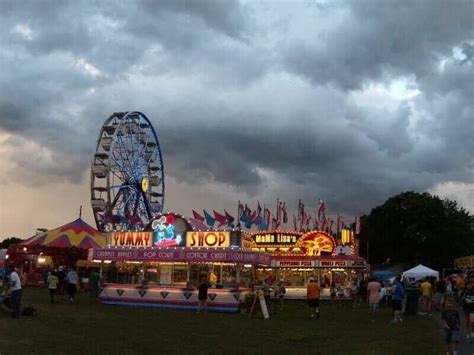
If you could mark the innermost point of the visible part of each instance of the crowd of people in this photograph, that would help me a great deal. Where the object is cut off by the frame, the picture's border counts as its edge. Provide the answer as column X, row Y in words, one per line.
column 59, row 281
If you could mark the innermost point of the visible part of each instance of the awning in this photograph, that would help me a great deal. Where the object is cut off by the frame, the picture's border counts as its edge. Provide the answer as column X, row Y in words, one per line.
column 188, row 255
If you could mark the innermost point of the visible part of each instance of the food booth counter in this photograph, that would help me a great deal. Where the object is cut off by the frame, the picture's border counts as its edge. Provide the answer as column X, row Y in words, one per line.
column 168, row 277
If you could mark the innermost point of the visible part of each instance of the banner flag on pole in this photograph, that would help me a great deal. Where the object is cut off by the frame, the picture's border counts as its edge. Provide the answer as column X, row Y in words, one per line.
column 209, row 220
column 321, row 210
column 198, row 216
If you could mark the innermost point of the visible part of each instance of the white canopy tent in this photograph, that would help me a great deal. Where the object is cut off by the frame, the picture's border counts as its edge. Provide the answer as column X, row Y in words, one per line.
column 420, row 272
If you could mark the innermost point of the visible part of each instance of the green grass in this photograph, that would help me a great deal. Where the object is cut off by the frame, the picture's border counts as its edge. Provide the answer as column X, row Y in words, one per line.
column 89, row 327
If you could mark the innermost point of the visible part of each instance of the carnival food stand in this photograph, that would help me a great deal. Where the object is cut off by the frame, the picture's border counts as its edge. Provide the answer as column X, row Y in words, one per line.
column 163, row 265
column 167, row 277
column 297, row 256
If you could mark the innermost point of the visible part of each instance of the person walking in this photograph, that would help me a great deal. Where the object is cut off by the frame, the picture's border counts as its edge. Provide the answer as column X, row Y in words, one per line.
column 280, row 293
column 202, row 295
column 15, row 292
column 440, row 290
column 266, row 291
column 72, row 281
column 313, row 292
column 426, row 289
column 398, row 294
column 467, row 301
column 373, row 289
column 52, row 282
column 452, row 324
column 94, row 279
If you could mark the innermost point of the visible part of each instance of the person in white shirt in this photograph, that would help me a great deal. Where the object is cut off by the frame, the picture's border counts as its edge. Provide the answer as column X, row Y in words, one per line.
column 15, row 290
column 72, row 282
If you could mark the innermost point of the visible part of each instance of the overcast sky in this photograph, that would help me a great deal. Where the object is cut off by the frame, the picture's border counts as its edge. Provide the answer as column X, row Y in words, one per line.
column 349, row 102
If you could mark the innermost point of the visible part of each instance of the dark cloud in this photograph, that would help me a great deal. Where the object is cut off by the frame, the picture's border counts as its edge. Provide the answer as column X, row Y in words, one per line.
column 376, row 39
column 264, row 99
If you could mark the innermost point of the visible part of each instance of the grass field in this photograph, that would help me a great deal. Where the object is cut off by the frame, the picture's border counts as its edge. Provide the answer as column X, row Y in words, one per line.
column 89, row 327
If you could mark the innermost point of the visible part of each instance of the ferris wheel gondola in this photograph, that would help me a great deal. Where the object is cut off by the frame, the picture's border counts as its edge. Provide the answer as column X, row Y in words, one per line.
column 127, row 176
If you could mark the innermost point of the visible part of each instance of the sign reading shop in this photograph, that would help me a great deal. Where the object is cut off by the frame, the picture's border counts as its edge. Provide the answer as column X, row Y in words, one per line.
column 275, row 238
column 217, row 239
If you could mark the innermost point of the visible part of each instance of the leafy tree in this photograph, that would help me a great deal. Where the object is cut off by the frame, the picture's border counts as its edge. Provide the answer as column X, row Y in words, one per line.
column 5, row 244
column 416, row 228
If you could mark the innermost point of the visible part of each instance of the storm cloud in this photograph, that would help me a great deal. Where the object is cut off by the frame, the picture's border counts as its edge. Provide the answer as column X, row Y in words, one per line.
column 349, row 102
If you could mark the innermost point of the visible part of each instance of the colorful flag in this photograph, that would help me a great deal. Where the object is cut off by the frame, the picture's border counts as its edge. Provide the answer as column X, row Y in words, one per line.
column 259, row 209
column 229, row 218
column 338, row 223
column 257, row 220
column 263, row 226
column 357, row 225
column 240, row 211
column 298, row 213
column 198, row 216
column 275, row 224
column 267, row 214
column 252, row 215
column 222, row 219
column 198, row 225
column 209, row 220
column 331, row 222
column 243, row 216
column 321, row 210
column 295, row 227
column 285, row 214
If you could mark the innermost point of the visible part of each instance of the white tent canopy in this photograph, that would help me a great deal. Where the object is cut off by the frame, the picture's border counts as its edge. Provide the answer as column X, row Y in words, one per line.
column 420, row 272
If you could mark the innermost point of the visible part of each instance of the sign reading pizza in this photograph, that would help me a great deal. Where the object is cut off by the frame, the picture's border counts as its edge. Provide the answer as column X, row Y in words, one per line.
column 317, row 243
column 217, row 239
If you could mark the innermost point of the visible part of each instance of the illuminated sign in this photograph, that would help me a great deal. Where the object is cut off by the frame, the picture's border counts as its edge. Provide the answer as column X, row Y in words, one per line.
column 346, row 236
column 275, row 238
column 295, row 263
column 218, row 239
column 169, row 230
column 317, row 243
column 333, row 263
column 131, row 239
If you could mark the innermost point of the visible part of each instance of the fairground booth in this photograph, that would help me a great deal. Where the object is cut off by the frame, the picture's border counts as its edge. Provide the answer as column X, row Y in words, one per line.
column 163, row 265
column 297, row 256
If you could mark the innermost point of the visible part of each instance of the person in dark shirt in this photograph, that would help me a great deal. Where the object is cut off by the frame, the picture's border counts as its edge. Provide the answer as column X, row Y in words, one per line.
column 467, row 301
column 202, row 295
column 440, row 289
column 452, row 321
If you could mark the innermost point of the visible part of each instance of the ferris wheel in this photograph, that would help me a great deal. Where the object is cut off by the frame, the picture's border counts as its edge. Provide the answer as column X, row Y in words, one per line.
column 127, row 177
